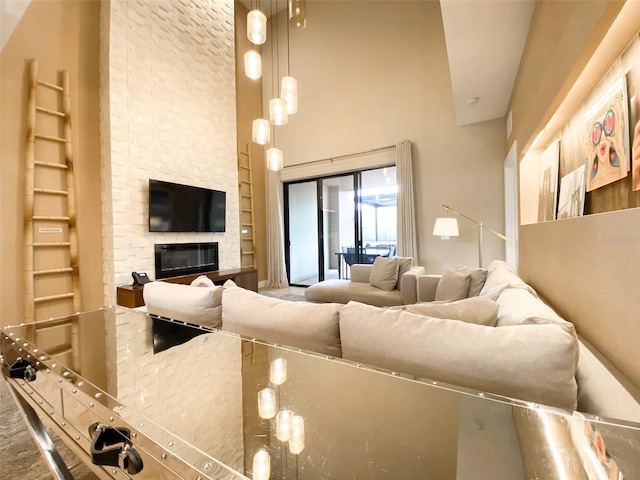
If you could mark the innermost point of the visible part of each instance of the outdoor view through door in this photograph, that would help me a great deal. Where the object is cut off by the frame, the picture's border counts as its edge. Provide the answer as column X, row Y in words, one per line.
column 333, row 222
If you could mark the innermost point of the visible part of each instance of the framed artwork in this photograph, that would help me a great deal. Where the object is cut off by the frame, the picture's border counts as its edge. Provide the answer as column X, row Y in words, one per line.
column 572, row 190
column 608, row 138
column 635, row 141
column 547, row 196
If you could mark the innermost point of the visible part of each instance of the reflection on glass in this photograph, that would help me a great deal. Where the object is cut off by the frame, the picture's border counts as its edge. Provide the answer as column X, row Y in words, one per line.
column 284, row 425
column 296, row 442
column 261, row 465
column 266, row 403
column 278, row 371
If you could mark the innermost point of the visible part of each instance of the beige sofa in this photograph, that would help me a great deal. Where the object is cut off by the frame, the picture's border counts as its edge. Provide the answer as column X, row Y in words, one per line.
column 502, row 339
column 362, row 286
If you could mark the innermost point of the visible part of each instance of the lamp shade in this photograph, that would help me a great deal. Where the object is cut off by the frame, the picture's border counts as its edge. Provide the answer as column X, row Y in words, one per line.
column 274, row 159
column 261, row 465
column 278, row 111
column 289, row 93
column 261, row 131
column 256, row 27
column 252, row 65
column 267, row 403
column 298, row 13
column 446, row 227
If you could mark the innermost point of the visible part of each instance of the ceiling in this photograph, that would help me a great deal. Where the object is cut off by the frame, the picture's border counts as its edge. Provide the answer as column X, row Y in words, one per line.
column 484, row 38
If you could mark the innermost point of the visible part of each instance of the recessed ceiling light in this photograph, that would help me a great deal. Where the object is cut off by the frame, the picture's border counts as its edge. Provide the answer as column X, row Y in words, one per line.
column 473, row 101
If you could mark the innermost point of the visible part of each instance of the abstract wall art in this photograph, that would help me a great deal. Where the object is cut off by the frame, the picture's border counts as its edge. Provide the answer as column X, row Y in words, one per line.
column 572, row 190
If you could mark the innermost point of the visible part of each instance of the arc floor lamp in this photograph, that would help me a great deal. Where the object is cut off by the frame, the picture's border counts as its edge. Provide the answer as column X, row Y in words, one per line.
column 446, row 227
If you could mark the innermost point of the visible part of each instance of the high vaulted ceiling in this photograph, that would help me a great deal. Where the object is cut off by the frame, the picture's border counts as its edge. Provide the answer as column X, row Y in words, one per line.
column 485, row 40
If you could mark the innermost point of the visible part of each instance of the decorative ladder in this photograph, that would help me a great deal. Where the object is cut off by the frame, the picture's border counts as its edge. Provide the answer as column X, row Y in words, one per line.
column 247, row 221
column 49, row 206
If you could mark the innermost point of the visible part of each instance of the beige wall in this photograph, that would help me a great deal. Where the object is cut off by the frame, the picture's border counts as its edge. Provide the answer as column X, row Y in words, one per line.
column 369, row 77
column 587, row 267
column 60, row 35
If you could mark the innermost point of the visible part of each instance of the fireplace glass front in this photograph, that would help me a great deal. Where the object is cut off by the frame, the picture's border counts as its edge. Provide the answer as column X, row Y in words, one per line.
column 178, row 259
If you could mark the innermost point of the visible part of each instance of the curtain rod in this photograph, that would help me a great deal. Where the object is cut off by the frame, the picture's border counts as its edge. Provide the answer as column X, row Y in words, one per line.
column 340, row 157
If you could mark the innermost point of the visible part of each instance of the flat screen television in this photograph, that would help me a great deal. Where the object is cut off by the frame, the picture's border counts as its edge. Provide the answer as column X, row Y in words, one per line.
column 183, row 208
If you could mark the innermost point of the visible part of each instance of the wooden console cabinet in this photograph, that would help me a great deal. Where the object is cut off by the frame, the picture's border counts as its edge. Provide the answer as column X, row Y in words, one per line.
column 128, row 296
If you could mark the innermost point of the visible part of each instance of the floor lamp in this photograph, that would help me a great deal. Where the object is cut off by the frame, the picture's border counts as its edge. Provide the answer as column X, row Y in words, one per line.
column 448, row 227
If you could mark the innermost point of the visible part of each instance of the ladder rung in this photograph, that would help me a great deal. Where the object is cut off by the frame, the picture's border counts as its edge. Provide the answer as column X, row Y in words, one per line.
column 51, row 219
column 246, row 224
column 51, row 165
column 246, row 182
column 246, row 196
column 52, row 244
column 246, row 239
column 244, row 167
column 52, row 297
column 50, row 112
column 248, row 253
column 51, row 86
column 50, row 192
column 244, row 210
column 50, row 138
column 53, row 271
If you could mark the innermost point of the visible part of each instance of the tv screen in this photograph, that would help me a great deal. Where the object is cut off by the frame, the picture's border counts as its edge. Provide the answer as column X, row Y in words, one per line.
column 183, row 208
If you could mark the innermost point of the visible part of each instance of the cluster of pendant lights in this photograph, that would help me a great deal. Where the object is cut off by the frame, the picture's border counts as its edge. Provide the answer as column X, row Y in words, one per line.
column 289, row 427
column 287, row 103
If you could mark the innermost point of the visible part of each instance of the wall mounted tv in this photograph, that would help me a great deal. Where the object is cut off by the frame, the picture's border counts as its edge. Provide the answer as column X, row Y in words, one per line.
column 183, row 208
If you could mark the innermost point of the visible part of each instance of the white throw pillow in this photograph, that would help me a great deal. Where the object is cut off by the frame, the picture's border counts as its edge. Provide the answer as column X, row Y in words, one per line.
column 384, row 273
column 310, row 326
column 478, row 310
column 202, row 281
column 535, row 363
column 404, row 265
column 199, row 305
column 453, row 286
column 477, row 277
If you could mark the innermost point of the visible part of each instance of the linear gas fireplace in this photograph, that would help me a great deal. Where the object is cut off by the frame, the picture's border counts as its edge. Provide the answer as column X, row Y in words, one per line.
column 177, row 259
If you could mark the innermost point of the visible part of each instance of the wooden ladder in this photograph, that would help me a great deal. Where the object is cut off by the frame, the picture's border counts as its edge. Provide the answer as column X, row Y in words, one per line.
column 247, row 221
column 52, row 284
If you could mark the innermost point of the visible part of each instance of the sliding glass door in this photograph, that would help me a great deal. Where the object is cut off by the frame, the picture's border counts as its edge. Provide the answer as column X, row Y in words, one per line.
column 333, row 222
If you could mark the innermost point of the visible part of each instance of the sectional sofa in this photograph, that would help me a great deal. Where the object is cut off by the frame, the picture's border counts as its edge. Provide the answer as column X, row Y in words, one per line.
column 485, row 330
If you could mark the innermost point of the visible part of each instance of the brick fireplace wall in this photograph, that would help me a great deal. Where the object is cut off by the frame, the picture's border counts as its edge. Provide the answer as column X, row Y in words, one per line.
column 167, row 112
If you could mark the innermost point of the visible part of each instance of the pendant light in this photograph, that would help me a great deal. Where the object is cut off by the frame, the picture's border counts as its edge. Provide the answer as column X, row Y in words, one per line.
column 261, row 131
column 256, row 27
column 253, row 65
column 277, row 106
column 275, row 160
column 298, row 13
column 289, row 85
column 278, row 111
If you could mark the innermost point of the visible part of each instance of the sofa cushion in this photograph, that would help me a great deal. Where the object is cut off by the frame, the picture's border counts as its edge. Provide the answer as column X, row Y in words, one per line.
column 343, row 291
column 477, row 277
column 529, row 362
column 308, row 326
column 499, row 276
column 478, row 310
column 199, row 305
column 404, row 265
column 453, row 286
column 384, row 273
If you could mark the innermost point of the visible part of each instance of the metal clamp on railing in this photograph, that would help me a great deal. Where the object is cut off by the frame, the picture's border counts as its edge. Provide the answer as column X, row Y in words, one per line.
column 23, row 369
column 122, row 455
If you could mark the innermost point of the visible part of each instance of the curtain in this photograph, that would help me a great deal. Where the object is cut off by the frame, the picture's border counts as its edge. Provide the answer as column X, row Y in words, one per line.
column 276, row 268
column 406, row 235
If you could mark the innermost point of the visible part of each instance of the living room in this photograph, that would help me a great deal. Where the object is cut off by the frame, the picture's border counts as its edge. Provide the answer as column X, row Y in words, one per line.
column 149, row 114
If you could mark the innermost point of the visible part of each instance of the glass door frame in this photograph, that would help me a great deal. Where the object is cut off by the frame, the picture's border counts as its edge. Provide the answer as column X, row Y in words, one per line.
column 357, row 215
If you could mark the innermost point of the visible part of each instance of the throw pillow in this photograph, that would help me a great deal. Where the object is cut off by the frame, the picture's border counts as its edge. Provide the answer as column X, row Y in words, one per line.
column 453, row 286
column 202, row 281
column 477, row 277
column 199, row 305
column 535, row 363
column 310, row 326
column 478, row 310
column 384, row 273
column 404, row 265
